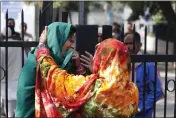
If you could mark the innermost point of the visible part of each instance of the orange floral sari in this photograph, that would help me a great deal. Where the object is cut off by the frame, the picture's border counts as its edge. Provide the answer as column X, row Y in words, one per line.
column 108, row 92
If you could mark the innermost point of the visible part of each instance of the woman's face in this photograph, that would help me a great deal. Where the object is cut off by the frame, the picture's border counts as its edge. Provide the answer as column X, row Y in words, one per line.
column 68, row 44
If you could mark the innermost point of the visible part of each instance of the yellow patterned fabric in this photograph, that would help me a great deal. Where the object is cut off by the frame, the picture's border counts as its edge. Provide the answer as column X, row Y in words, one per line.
column 108, row 92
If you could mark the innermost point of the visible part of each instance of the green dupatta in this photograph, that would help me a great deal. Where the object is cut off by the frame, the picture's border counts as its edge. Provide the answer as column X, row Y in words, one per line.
column 57, row 36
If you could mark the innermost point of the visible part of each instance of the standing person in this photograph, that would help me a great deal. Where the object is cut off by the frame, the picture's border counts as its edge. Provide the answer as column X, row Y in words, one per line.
column 139, row 76
column 97, row 95
column 129, row 27
column 11, row 24
column 59, row 41
column 27, row 37
column 116, row 31
column 14, row 68
column 99, row 34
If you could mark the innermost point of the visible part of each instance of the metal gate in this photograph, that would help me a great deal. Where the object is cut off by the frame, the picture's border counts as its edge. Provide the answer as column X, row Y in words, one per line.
column 156, row 58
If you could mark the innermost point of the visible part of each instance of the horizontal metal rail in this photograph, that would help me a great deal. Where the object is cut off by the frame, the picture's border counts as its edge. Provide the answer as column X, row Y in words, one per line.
column 134, row 58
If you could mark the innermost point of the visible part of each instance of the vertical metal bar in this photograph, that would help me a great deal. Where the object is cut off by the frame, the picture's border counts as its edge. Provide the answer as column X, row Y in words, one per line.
column 0, row 56
column 81, row 13
column 133, row 63
column 6, row 58
column 156, row 65
column 144, row 77
column 122, row 34
column 166, row 86
column 175, row 94
column 40, row 22
column 145, row 41
column 0, row 16
column 22, row 35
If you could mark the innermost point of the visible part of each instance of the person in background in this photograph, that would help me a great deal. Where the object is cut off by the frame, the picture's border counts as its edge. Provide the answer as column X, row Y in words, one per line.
column 139, row 78
column 27, row 37
column 11, row 24
column 2, row 37
column 99, row 34
column 14, row 68
column 116, row 31
column 129, row 27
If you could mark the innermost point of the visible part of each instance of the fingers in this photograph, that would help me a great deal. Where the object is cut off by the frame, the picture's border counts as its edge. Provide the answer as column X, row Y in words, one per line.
column 87, row 66
column 90, row 55
column 42, row 33
column 46, row 29
column 74, row 57
column 85, row 61
column 43, row 36
column 85, row 58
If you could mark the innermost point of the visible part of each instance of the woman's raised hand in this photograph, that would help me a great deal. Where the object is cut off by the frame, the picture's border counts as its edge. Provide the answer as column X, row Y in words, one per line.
column 43, row 36
column 87, row 61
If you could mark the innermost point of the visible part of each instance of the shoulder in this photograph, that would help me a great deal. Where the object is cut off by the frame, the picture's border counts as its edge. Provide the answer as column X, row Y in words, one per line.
column 148, row 64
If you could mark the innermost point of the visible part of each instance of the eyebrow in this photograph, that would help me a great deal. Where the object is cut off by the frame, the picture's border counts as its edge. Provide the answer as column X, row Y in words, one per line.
column 72, row 40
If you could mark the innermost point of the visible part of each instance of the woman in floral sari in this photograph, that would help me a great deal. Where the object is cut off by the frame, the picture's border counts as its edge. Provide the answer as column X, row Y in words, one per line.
column 108, row 92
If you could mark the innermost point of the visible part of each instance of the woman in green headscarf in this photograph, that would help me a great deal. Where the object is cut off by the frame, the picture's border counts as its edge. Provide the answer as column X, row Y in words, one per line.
column 59, row 42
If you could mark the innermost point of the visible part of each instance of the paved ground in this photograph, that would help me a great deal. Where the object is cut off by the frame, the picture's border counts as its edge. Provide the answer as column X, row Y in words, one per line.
column 171, row 76
column 170, row 95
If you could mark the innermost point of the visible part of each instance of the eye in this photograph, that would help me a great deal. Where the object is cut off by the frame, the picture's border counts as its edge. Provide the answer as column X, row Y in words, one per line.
column 72, row 41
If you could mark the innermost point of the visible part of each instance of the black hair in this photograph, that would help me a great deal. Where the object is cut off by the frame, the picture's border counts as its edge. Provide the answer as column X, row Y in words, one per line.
column 136, row 35
column 130, row 23
column 72, row 30
column 116, row 24
column 11, row 19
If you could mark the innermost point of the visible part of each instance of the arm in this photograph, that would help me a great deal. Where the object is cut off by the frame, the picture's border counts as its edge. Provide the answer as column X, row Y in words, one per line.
column 61, row 84
column 149, row 101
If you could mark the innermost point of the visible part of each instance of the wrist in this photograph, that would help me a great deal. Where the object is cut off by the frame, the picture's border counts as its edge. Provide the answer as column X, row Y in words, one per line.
column 80, row 70
column 41, row 45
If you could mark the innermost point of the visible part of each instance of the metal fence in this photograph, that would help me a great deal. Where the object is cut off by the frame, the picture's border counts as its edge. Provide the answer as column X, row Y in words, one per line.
column 87, row 36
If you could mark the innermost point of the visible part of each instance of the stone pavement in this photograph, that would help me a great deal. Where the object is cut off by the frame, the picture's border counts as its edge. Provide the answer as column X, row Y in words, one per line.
column 170, row 95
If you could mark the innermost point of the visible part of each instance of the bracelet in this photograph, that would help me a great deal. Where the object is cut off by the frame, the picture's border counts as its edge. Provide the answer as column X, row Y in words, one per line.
column 41, row 45
column 80, row 70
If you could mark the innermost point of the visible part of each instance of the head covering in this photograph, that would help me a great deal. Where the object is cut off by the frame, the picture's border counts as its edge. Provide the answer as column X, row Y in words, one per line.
column 117, row 95
column 109, row 50
column 57, row 35
column 108, row 92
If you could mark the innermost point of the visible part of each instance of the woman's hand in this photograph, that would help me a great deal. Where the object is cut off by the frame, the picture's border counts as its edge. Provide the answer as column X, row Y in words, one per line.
column 43, row 36
column 87, row 61
column 75, row 56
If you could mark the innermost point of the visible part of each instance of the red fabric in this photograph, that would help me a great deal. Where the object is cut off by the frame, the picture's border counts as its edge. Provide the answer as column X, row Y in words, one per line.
column 43, row 52
column 104, row 54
